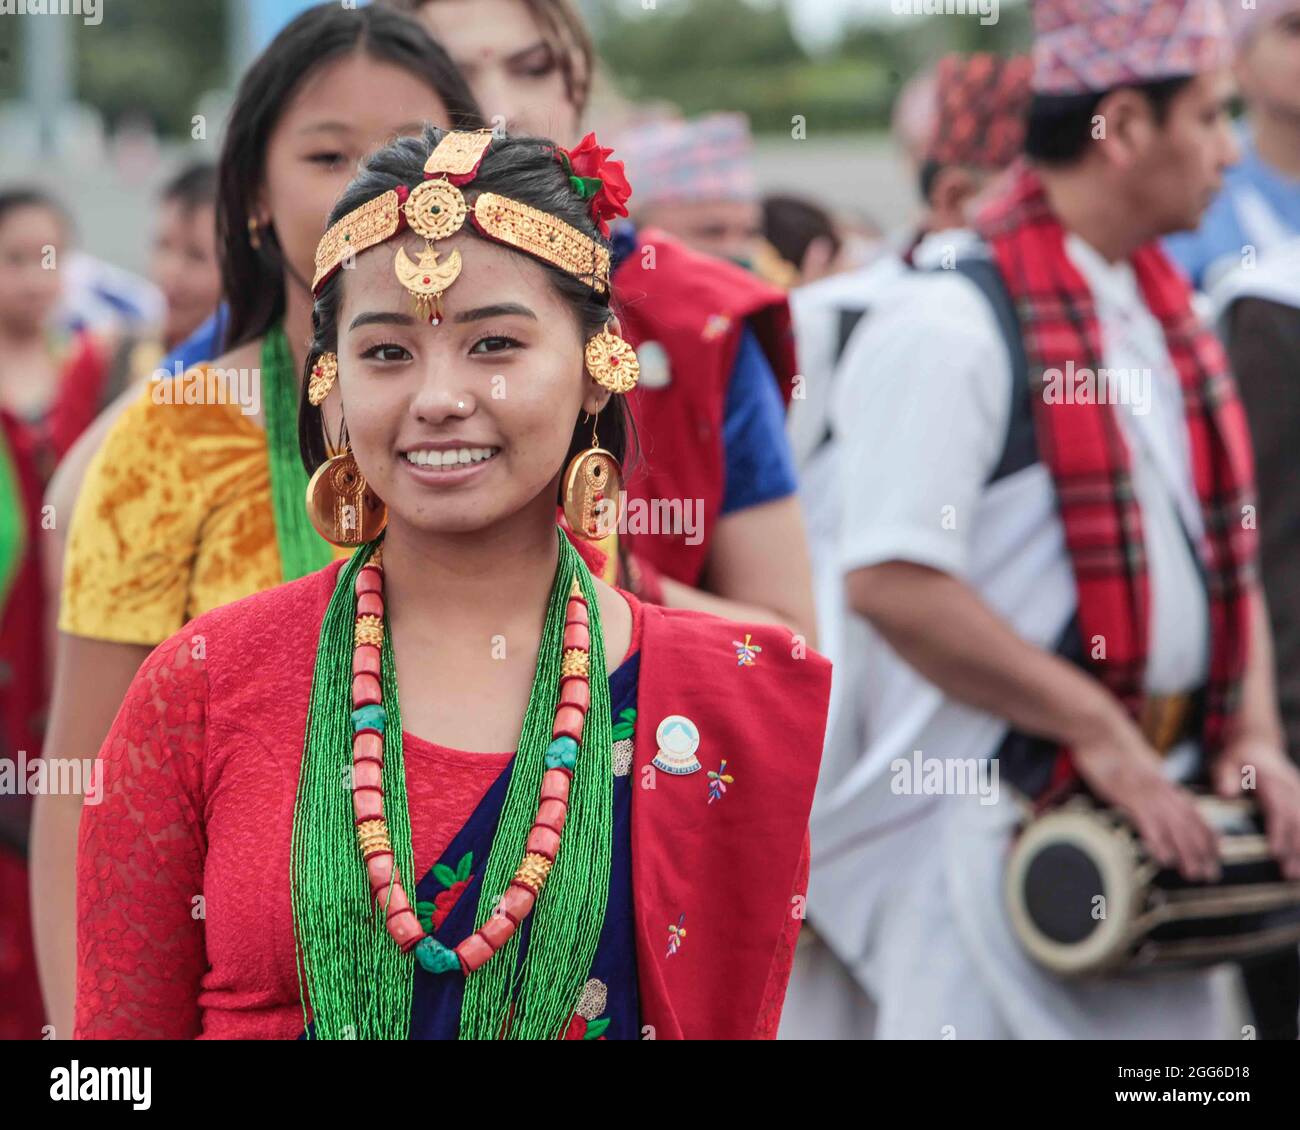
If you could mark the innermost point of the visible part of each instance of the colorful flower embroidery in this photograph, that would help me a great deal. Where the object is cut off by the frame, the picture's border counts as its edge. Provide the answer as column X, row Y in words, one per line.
column 719, row 781
column 716, row 326
column 746, row 652
column 676, row 935
column 433, row 914
column 584, row 1025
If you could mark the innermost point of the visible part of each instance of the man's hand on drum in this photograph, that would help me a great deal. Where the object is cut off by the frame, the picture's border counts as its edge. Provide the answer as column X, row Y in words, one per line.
column 1258, row 766
column 1123, row 769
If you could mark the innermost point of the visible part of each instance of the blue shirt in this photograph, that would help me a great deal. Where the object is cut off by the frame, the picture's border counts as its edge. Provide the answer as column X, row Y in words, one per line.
column 1223, row 232
column 204, row 344
column 757, row 453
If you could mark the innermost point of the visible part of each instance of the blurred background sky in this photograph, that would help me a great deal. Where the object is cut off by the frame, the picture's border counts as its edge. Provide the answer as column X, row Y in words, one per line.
column 110, row 106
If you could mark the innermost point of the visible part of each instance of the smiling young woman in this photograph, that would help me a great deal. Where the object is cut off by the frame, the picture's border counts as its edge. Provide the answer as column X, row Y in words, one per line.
column 189, row 505
column 459, row 783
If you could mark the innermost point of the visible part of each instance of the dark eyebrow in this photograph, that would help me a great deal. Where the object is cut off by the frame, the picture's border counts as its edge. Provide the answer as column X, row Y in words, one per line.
column 499, row 311
column 326, row 127
column 413, row 126
column 524, row 52
column 381, row 318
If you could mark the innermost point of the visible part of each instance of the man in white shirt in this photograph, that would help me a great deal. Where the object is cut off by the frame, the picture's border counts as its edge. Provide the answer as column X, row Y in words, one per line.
column 977, row 108
column 1039, row 560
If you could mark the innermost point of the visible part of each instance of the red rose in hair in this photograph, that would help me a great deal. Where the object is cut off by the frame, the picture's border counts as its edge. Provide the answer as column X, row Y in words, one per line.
column 601, row 181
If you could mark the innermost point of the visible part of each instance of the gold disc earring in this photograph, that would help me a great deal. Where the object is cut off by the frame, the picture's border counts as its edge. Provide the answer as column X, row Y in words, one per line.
column 611, row 362
column 323, row 375
column 593, row 485
column 341, row 505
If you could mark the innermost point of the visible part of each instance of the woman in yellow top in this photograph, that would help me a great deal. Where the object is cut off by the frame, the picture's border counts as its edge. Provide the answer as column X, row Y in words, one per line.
column 195, row 498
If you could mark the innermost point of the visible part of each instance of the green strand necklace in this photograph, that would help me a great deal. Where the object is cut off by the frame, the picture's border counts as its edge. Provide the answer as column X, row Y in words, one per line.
column 302, row 549
column 350, row 908
column 13, row 521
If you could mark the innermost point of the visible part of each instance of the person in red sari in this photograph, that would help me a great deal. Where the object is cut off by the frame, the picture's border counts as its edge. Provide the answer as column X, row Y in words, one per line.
column 658, row 789
column 51, row 386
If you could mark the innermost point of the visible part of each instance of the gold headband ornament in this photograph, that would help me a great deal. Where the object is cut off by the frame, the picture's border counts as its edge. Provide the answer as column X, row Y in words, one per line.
column 437, row 210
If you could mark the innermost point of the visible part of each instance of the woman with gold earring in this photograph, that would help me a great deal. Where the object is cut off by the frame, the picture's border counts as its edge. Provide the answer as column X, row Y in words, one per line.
column 563, row 814
column 195, row 496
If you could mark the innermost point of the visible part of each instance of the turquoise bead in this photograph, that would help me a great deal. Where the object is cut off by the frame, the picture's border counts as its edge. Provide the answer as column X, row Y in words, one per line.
column 434, row 957
column 368, row 718
column 562, row 753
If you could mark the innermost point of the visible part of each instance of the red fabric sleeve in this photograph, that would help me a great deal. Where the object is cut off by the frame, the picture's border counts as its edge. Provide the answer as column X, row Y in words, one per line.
column 140, row 951
column 769, row 1012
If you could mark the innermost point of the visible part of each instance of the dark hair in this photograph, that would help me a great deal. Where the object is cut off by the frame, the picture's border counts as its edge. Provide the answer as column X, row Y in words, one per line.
column 565, row 34
column 252, row 279
column 1059, row 127
column 30, row 197
column 522, row 168
column 791, row 223
column 193, row 187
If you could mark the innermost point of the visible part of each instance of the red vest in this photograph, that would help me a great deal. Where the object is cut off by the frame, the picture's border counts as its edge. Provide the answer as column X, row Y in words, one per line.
column 695, row 308
column 731, row 873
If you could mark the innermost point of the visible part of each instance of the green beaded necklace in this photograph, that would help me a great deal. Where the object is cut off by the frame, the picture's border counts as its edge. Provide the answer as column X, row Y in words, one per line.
column 358, row 982
column 302, row 549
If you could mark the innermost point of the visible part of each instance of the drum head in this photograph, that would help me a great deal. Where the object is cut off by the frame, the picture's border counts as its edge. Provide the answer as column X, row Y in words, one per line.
column 1072, row 891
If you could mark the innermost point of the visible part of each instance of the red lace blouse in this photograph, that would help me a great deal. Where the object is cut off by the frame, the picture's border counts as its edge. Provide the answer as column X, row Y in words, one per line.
column 185, row 926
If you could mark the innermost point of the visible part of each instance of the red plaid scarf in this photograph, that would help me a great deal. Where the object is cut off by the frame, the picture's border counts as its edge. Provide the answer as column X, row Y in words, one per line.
column 1086, row 453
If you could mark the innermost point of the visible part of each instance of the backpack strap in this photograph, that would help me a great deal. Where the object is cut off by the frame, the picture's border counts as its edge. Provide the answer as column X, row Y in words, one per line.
column 1020, row 449
column 847, row 322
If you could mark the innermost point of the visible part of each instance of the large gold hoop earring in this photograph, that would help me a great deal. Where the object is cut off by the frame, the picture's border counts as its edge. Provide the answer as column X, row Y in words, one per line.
column 341, row 505
column 593, row 486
